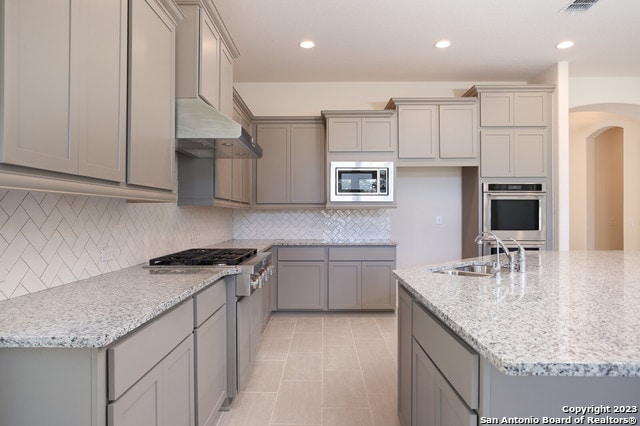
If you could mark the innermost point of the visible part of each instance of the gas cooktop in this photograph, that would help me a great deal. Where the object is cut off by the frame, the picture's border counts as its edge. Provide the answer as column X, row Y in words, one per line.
column 204, row 256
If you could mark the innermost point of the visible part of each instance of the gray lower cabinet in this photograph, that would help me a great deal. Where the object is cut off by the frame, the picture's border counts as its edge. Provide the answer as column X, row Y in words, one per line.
column 210, row 335
column 302, row 285
column 405, row 354
column 170, row 371
column 151, row 373
column 336, row 278
column 361, row 277
column 438, row 375
column 162, row 396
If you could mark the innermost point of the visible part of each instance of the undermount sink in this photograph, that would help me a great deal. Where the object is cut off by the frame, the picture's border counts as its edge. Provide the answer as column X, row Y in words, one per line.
column 472, row 270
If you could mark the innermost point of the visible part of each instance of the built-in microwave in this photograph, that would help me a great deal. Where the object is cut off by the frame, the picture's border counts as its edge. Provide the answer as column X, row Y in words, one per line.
column 516, row 210
column 353, row 181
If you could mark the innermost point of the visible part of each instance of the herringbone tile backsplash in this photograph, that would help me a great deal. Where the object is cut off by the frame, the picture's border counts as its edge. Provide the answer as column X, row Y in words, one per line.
column 50, row 239
column 328, row 225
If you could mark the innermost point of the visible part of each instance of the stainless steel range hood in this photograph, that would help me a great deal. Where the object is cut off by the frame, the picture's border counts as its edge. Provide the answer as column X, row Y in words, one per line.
column 202, row 131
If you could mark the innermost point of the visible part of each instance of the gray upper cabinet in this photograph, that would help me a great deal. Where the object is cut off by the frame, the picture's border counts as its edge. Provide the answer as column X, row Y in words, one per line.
column 436, row 131
column 514, row 109
column 515, row 123
column 361, row 131
column 64, row 94
column 292, row 168
column 151, row 139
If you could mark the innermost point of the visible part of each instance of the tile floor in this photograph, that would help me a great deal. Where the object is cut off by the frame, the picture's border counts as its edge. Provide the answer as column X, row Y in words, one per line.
column 324, row 369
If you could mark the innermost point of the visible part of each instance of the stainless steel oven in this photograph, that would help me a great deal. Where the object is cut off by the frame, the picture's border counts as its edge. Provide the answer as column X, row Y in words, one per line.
column 353, row 181
column 516, row 210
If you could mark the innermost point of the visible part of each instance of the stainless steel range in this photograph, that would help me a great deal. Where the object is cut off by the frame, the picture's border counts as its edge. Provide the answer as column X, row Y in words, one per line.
column 255, row 267
column 246, row 309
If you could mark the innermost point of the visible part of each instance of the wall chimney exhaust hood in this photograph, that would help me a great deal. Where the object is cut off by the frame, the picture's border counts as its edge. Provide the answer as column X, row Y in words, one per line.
column 203, row 132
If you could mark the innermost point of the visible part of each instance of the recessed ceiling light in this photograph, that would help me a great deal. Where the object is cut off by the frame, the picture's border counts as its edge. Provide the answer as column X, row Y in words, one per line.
column 442, row 44
column 565, row 44
column 307, row 44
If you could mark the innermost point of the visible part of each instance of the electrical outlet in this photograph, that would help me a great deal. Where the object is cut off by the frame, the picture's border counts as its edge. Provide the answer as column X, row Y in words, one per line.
column 106, row 254
column 438, row 220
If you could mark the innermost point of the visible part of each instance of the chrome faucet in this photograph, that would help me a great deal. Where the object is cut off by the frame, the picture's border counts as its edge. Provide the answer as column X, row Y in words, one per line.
column 484, row 236
column 522, row 257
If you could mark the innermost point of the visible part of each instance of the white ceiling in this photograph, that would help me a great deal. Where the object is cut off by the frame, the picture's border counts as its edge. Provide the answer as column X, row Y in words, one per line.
column 392, row 40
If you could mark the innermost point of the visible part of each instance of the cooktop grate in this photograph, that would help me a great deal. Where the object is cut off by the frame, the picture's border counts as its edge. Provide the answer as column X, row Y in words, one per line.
column 198, row 256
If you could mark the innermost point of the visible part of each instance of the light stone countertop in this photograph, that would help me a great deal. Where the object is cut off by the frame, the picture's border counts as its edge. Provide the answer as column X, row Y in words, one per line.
column 95, row 312
column 573, row 313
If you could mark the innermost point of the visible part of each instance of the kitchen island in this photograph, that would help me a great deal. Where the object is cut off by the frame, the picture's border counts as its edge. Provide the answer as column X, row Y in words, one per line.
column 543, row 343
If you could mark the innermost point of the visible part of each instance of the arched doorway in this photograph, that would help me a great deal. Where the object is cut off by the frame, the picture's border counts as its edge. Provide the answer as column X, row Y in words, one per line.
column 599, row 134
column 605, row 190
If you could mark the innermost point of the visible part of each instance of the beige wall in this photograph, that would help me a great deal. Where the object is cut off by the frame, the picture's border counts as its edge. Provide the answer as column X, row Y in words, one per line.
column 583, row 126
column 308, row 99
column 608, row 190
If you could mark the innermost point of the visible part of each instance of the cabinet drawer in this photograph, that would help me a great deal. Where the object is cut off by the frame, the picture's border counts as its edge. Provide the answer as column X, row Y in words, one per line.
column 130, row 358
column 301, row 253
column 362, row 253
column 455, row 360
column 208, row 301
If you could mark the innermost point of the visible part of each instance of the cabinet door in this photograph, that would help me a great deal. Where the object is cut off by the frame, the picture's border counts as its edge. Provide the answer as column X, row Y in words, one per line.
column 496, row 109
column 37, row 66
column 450, row 410
column 178, row 406
column 224, row 177
column 378, row 285
column 272, row 170
column 302, row 285
column 405, row 355
column 345, row 280
column 345, row 134
column 417, row 131
column 141, row 405
column 458, row 131
column 530, row 152
column 531, row 109
column 423, row 388
column 256, row 322
column 378, row 134
column 238, row 179
column 267, row 302
column 496, row 153
column 151, row 96
column 102, row 92
column 209, row 61
column 307, row 164
column 243, row 340
column 226, row 82
column 211, row 368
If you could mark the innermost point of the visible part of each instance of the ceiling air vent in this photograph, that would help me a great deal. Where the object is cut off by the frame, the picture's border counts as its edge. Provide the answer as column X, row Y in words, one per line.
column 579, row 6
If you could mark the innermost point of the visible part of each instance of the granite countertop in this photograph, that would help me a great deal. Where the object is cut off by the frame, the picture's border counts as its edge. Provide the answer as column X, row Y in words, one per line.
column 95, row 312
column 573, row 313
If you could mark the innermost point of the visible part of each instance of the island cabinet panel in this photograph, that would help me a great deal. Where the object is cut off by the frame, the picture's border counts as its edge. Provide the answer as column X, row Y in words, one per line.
column 405, row 355
column 457, row 362
column 434, row 400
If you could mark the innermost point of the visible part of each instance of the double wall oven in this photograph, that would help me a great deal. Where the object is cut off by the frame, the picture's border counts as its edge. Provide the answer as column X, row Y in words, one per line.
column 518, row 211
column 248, row 301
